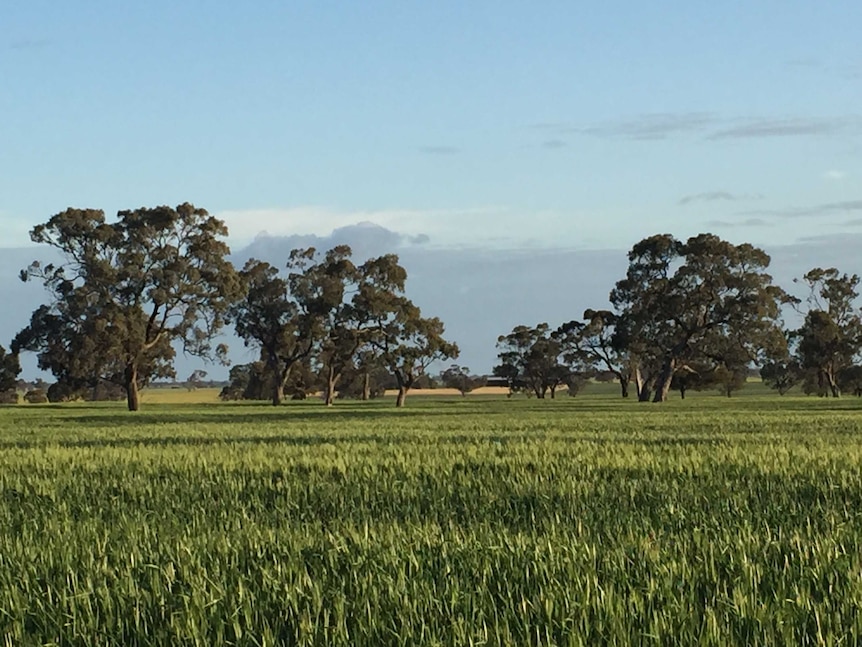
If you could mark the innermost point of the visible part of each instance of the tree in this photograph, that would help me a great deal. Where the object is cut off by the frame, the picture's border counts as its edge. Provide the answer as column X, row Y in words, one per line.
column 594, row 343
column 781, row 375
column 9, row 370
column 532, row 357
column 365, row 379
column 194, row 380
column 458, row 377
column 850, row 380
column 269, row 318
column 322, row 288
column 127, row 291
column 396, row 332
column 830, row 338
column 681, row 302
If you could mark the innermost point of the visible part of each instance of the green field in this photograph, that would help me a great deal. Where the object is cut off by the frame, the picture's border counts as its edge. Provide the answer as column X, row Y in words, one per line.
column 477, row 521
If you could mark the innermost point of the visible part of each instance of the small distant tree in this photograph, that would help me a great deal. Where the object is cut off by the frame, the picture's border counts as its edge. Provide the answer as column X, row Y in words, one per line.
column 594, row 343
column 532, row 357
column 782, row 375
column 9, row 371
column 36, row 396
column 458, row 377
column 730, row 379
column 194, row 380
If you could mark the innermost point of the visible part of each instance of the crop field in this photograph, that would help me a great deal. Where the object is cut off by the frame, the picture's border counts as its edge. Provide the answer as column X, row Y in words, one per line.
column 456, row 521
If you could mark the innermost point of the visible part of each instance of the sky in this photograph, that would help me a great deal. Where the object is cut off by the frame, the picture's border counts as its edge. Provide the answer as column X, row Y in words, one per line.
column 498, row 124
column 495, row 144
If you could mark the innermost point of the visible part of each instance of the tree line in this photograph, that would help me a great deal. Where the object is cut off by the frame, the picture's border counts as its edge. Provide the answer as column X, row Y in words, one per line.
column 697, row 314
column 688, row 314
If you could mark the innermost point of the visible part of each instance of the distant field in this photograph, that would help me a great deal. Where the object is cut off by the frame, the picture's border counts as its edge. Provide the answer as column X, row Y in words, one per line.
column 456, row 521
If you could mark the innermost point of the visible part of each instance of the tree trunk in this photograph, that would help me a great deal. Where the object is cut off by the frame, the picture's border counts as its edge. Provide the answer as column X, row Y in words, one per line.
column 642, row 386
column 402, row 396
column 624, row 386
column 366, row 387
column 133, row 398
column 331, row 384
column 277, row 392
column 662, row 387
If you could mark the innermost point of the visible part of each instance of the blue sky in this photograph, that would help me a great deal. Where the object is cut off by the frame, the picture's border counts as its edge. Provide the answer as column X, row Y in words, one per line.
column 509, row 124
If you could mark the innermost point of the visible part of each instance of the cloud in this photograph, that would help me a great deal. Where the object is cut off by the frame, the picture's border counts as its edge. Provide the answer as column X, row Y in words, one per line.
column 791, row 127
column 660, row 126
column 751, row 222
column 439, row 150
column 554, row 144
column 804, row 62
column 653, row 126
column 834, row 175
column 717, row 196
column 437, row 224
column 856, row 222
column 801, row 212
column 29, row 43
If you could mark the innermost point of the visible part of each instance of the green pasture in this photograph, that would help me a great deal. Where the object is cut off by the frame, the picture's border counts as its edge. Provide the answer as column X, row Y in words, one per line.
column 455, row 521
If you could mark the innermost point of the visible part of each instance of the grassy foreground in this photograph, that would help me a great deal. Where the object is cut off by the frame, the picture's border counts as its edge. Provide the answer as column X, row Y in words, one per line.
column 454, row 522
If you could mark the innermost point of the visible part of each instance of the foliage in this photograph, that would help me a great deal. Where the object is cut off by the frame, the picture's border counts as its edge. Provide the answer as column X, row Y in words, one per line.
column 703, row 299
column 9, row 370
column 532, row 359
column 397, row 334
column 269, row 318
column 593, row 344
column 781, row 375
column 459, row 377
column 126, row 291
column 35, row 396
column 830, row 339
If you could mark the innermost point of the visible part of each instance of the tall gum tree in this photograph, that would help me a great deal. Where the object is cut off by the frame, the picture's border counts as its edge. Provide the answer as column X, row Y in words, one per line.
column 683, row 301
column 127, row 291
column 324, row 287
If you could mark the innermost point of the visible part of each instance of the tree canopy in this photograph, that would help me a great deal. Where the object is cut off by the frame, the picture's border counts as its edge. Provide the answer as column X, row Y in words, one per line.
column 126, row 292
column 700, row 299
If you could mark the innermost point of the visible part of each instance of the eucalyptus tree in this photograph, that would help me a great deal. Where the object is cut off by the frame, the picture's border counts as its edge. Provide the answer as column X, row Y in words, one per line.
column 127, row 291
column 10, row 368
column 702, row 298
column 269, row 319
column 324, row 288
column 460, row 378
column 595, row 343
column 532, row 357
column 830, row 338
column 395, row 331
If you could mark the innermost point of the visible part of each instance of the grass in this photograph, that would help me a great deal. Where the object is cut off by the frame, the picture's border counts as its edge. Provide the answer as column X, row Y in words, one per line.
column 456, row 521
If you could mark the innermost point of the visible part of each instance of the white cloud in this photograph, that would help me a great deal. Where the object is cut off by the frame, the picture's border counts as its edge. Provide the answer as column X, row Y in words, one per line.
column 15, row 233
column 834, row 175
